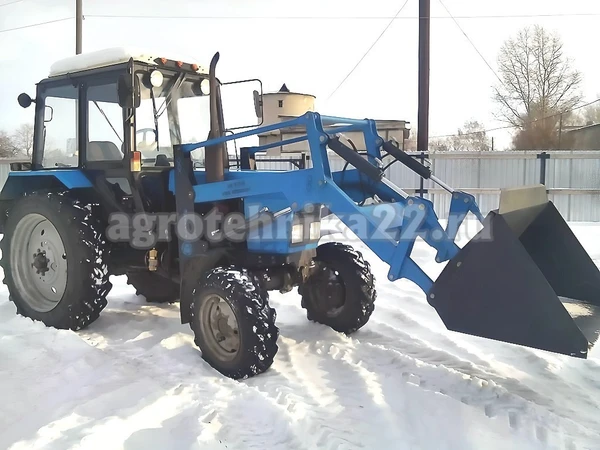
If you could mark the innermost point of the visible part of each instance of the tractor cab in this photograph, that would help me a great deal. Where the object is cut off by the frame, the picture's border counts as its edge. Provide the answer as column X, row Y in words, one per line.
column 117, row 115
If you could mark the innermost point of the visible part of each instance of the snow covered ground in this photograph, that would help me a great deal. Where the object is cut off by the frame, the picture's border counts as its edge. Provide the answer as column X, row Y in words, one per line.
column 135, row 380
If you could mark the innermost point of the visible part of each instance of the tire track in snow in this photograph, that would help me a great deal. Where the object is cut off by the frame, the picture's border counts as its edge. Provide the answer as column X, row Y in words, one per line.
column 491, row 399
column 320, row 390
column 521, row 412
column 440, row 349
column 219, row 403
column 530, row 401
column 395, row 339
column 312, row 404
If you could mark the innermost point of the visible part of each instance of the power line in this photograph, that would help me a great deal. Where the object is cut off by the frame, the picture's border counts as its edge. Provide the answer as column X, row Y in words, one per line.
column 11, row 3
column 368, row 51
column 472, row 43
column 508, row 127
column 499, row 16
column 477, row 50
column 35, row 24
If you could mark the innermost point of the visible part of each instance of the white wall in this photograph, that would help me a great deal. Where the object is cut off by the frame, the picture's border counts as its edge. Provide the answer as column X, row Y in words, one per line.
column 292, row 105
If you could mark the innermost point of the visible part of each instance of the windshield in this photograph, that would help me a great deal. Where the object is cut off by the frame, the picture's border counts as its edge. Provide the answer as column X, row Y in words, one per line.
column 177, row 112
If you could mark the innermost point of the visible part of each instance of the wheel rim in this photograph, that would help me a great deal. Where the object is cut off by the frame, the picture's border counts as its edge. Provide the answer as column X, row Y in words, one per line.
column 220, row 327
column 39, row 262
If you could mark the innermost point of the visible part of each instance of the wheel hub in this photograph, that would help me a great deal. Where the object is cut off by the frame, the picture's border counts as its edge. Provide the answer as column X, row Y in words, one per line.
column 40, row 262
column 220, row 327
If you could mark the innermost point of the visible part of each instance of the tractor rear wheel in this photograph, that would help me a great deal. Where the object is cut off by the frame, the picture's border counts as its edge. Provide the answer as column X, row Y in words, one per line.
column 341, row 292
column 54, row 257
column 153, row 287
column 234, row 326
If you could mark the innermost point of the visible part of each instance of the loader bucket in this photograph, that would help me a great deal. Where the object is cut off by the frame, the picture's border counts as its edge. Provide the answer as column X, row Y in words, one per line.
column 524, row 279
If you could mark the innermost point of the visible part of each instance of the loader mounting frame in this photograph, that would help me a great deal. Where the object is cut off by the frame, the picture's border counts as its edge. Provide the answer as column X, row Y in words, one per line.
column 389, row 229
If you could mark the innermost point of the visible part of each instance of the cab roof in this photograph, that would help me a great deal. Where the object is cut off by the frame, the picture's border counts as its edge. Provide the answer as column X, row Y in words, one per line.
column 111, row 56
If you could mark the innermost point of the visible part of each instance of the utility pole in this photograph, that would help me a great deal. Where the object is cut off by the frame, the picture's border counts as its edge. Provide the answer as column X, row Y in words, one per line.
column 424, row 38
column 78, row 25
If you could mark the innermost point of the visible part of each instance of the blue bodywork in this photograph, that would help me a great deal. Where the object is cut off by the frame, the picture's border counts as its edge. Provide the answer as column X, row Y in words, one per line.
column 389, row 229
column 19, row 182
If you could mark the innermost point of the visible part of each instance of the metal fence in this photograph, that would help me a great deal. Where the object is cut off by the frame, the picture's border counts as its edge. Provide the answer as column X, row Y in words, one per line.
column 571, row 177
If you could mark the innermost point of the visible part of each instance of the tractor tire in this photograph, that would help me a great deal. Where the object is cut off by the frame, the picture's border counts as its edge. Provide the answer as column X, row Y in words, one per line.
column 154, row 288
column 341, row 293
column 234, row 326
column 54, row 257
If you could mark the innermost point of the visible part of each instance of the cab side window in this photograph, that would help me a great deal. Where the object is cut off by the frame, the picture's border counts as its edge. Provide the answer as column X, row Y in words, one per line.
column 60, row 127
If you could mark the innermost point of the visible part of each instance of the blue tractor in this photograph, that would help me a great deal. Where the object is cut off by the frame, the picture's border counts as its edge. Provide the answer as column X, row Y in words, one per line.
column 119, row 184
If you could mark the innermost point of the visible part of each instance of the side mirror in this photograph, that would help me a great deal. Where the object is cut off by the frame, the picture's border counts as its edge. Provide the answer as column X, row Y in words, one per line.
column 129, row 95
column 24, row 100
column 238, row 110
column 258, row 104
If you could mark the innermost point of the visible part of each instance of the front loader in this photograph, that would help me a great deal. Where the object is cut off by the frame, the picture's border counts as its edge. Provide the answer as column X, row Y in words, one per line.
column 220, row 239
column 523, row 279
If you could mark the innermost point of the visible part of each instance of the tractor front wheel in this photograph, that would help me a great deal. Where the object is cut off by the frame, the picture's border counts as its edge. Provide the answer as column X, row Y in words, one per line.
column 341, row 292
column 54, row 257
column 234, row 326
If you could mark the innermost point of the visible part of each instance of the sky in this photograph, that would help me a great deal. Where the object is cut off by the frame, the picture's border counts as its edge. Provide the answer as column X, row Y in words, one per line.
column 310, row 45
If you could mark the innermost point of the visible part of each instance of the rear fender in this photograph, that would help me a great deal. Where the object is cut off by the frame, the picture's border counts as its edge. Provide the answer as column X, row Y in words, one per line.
column 20, row 183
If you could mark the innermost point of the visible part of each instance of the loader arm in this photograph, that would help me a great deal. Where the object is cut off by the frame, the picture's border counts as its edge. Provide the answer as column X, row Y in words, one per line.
column 389, row 229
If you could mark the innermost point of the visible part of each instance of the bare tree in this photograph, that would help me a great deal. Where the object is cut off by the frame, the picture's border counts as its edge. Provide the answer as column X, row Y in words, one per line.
column 440, row 145
column 23, row 139
column 7, row 148
column 471, row 137
column 589, row 115
column 538, row 81
column 540, row 135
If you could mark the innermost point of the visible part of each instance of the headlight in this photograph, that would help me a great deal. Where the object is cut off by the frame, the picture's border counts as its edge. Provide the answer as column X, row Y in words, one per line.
column 156, row 78
column 315, row 231
column 297, row 233
column 205, row 86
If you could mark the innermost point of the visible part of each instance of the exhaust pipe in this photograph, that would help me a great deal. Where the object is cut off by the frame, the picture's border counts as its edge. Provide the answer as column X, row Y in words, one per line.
column 216, row 155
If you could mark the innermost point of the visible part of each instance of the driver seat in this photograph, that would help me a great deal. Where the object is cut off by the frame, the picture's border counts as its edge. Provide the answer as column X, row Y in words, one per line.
column 103, row 151
column 162, row 161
